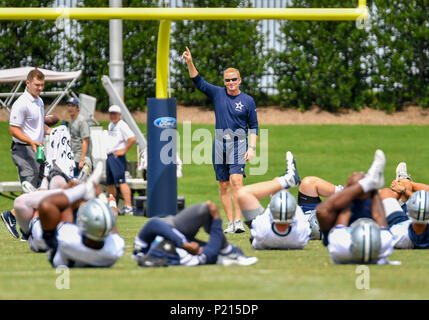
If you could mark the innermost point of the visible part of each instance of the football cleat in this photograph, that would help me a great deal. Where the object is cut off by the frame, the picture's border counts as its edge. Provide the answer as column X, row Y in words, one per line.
column 235, row 256
column 401, row 171
column 291, row 176
column 374, row 179
column 27, row 187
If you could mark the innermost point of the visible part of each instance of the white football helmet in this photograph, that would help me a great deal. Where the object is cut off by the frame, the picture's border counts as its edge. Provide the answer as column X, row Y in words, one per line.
column 283, row 207
column 366, row 240
column 418, row 207
column 95, row 219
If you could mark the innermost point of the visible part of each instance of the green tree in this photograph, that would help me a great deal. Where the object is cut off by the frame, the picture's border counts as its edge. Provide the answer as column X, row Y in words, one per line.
column 28, row 42
column 401, row 70
column 139, row 54
column 215, row 46
column 324, row 63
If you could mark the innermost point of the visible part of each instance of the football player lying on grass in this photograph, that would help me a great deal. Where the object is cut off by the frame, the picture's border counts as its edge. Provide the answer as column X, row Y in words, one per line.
column 93, row 241
column 403, row 187
column 354, row 220
column 26, row 211
column 171, row 241
column 284, row 224
column 409, row 228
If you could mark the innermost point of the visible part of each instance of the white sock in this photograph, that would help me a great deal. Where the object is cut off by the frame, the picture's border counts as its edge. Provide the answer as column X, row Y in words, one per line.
column 227, row 249
column 366, row 184
column 75, row 193
column 282, row 181
column 391, row 205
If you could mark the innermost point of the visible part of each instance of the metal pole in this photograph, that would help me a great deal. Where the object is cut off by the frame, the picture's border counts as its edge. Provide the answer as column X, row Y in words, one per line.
column 116, row 63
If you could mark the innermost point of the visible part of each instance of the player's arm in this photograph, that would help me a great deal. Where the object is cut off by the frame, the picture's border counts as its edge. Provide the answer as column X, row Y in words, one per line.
column 191, row 67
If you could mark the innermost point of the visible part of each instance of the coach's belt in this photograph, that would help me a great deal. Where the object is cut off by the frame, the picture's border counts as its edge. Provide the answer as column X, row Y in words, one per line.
column 22, row 144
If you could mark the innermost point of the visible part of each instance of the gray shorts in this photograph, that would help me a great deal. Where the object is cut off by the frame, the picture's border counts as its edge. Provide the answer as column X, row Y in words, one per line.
column 25, row 161
column 191, row 219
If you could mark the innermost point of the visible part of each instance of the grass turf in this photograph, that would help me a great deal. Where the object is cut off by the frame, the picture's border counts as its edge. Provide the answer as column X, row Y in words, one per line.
column 328, row 151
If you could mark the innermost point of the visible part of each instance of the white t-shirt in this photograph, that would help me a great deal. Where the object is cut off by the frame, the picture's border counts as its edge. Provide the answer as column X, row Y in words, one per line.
column 73, row 253
column 340, row 239
column 265, row 237
column 28, row 113
column 118, row 135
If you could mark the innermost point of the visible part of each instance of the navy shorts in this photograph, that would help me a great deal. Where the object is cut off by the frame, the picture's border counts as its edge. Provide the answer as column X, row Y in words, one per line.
column 229, row 158
column 115, row 169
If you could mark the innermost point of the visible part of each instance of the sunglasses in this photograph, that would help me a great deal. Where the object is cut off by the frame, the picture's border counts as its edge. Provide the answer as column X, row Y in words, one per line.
column 233, row 79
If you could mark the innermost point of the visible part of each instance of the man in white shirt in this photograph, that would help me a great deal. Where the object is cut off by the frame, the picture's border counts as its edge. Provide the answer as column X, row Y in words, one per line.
column 120, row 140
column 27, row 128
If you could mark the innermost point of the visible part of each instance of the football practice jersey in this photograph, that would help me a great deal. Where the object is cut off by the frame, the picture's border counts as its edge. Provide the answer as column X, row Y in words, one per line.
column 264, row 235
column 401, row 238
column 72, row 252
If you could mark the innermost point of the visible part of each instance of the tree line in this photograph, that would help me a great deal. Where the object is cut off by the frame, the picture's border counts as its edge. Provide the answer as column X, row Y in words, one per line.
column 333, row 65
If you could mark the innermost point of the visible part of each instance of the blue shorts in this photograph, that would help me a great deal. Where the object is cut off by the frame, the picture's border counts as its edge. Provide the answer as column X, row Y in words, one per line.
column 115, row 169
column 229, row 158
column 308, row 208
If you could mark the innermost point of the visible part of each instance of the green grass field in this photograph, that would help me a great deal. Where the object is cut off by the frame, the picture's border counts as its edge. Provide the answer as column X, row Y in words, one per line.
column 328, row 151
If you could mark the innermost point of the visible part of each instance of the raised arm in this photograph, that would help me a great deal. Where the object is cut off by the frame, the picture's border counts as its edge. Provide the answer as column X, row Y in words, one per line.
column 191, row 67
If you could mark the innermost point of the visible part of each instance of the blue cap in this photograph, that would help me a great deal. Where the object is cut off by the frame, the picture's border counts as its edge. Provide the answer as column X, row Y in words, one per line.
column 73, row 101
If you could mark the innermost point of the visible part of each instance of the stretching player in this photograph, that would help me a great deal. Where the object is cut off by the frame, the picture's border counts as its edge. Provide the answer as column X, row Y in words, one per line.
column 172, row 241
column 283, row 224
column 409, row 228
column 354, row 219
column 93, row 240
column 26, row 212
column 311, row 188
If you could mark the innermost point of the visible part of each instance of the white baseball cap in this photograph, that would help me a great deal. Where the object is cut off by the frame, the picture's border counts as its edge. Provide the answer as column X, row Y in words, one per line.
column 115, row 108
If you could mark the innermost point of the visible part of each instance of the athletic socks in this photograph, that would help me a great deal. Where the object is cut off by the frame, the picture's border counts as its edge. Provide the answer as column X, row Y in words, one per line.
column 76, row 193
column 283, row 182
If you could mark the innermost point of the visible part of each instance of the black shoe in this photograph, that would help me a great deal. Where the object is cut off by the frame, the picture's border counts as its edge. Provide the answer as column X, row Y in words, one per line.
column 24, row 236
column 10, row 223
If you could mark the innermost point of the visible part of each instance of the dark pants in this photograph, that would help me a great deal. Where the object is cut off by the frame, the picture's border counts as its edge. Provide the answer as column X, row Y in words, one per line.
column 25, row 161
column 190, row 220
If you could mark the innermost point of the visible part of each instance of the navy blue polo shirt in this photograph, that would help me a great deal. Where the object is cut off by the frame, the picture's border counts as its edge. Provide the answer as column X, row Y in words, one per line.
column 232, row 112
